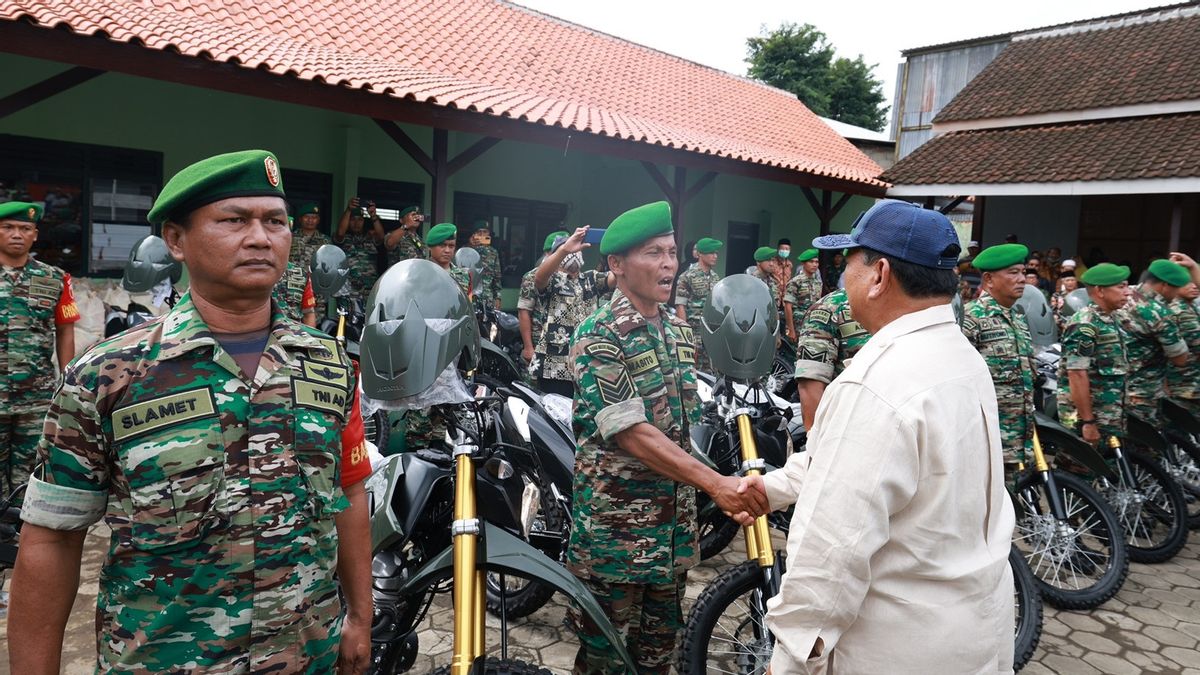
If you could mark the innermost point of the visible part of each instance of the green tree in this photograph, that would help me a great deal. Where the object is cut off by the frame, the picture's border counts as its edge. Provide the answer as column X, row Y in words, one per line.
column 799, row 59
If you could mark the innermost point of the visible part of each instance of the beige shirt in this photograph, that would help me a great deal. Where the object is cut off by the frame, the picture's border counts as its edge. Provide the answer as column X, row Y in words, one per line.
column 898, row 554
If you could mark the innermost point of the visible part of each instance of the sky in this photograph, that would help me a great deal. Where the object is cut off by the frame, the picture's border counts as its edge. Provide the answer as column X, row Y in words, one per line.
column 714, row 33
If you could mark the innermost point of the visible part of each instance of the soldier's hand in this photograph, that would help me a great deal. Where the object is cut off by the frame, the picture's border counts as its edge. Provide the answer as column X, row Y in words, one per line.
column 575, row 243
column 354, row 652
column 742, row 506
column 791, row 333
column 1091, row 433
column 1183, row 259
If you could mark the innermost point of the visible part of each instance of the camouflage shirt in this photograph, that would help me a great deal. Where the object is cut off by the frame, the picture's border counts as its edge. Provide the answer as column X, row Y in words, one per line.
column 692, row 292
column 568, row 301
column 35, row 299
column 769, row 280
column 630, row 524
column 304, row 246
column 828, row 339
column 1002, row 337
column 490, row 259
column 361, row 252
column 409, row 247
column 1184, row 383
column 1151, row 337
column 220, row 494
column 1092, row 341
column 293, row 293
column 802, row 292
column 529, row 300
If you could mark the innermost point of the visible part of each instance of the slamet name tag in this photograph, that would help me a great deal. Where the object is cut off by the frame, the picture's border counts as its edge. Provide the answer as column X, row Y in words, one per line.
column 159, row 413
column 319, row 396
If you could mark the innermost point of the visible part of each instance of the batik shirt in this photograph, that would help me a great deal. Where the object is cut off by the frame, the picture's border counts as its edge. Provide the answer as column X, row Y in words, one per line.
column 35, row 299
column 567, row 301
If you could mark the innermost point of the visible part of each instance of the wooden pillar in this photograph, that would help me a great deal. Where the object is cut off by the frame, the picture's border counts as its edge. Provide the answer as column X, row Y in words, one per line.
column 1176, row 222
column 441, row 143
column 440, row 166
column 678, row 194
column 977, row 215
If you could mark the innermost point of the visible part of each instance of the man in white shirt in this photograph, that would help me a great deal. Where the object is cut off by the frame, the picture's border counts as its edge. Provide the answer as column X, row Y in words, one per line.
column 898, row 553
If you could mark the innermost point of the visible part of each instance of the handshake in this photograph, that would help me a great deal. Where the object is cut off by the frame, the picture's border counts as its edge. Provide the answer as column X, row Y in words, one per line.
column 742, row 499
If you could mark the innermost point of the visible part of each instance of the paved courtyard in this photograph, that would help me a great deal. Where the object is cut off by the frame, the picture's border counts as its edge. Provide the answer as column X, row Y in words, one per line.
column 1151, row 626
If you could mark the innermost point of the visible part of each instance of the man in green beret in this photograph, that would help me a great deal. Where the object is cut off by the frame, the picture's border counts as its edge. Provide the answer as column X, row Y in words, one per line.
column 404, row 242
column 633, row 534
column 361, row 242
column 802, row 291
column 37, row 322
column 1183, row 384
column 692, row 292
column 223, row 444
column 765, row 264
column 1153, row 341
column 308, row 238
column 569, row 294
column 531, row 311
column 1001, row 335
column 481, row 240
column 1094, row 364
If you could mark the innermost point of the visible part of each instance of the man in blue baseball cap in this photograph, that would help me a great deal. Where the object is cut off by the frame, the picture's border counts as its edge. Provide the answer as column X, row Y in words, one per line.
column 902, row 524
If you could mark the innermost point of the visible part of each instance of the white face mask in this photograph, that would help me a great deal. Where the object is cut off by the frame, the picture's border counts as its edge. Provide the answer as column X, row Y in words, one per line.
column 785, row 252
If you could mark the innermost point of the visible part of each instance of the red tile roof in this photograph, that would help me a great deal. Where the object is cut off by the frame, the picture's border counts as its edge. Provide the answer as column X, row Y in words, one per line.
column 1152, row 61
column 487, row 56
column 1165, row 146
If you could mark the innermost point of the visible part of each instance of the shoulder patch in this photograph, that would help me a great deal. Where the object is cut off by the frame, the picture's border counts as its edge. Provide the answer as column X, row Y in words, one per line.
column 613, row 392
column 603, row 349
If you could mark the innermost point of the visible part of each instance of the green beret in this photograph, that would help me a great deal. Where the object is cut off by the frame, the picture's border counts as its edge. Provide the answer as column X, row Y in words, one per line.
column 408, row 210
column 438, row 234
column 549, row 243
column 765, row 253
column 636, row 226
column 249, row 173
column 1171, row 272
column 1000, row 257
column 809, row 254
column 708, row 245
column 1105, row 274
column 307, row 208
column 22, row 211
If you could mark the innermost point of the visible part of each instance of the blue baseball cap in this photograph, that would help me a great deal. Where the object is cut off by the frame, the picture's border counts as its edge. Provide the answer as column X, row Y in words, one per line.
column 903, row 230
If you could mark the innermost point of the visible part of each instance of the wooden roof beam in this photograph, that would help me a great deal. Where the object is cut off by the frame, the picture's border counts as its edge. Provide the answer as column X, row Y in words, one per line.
column 51, row 86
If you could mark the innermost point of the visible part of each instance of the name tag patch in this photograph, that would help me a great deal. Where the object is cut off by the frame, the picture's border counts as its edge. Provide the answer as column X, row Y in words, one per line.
column 44, row 287
column 686, row 354
column 641, row 363
column 159, row 413
column 319, row 396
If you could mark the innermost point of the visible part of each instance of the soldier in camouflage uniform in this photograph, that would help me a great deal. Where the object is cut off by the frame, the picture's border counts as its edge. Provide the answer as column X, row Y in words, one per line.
column 37, row 322
column 361, row 245
column 1152, row 338
column 1183, row 384
column 828, row 338
column 802, row 291
column 634, row 513
column 294, row 295
column 481, row 240
column 765, row 259
column 404, row 242
column 308, row 238
column 1001, row 335
column 223, row 445
column 568, row 296
column 692, row 291
column 1094, row 365
column 530, row 311
column 426, row 428
column 1067, row 283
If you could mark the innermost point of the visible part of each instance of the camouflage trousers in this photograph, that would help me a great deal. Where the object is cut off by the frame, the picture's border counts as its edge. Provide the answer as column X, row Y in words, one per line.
column 648, row 617
column 423, row 429
column 19, row 436
column 1016, row 437
column 1145, row 407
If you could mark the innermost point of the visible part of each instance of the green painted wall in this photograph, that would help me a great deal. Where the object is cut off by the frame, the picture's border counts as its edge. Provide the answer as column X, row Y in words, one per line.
column 187, row 123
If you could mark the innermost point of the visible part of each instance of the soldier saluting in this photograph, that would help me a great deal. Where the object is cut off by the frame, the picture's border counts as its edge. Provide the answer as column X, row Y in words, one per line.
column 223, row 445
column 1002, row 337
column 634, row 510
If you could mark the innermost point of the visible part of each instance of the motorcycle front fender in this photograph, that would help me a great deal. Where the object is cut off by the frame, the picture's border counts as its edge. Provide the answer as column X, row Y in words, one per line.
column 490, row 350
column 1079, row 450
column 1180, row 417
column 505, row 553
column 1142, row 432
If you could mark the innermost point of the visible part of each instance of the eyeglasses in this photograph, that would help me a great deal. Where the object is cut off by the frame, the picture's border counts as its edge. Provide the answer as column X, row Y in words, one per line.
column 9, row 228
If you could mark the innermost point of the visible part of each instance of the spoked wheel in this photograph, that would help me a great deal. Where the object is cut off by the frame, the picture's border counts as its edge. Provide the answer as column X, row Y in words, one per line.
column 1027, row 610
column 1184, row 468
column 1076, row 563
column 725, row 631
column 782, row 380
column 377, row 428
column 1151, row 510
column 492, row 666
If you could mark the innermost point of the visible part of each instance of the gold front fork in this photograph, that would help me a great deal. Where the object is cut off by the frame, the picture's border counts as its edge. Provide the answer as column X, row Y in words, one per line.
column 468, row 578
column 758, row 534
column 1039, row 457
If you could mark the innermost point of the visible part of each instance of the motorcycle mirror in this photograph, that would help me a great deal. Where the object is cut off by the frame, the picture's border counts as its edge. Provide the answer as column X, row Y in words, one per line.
column 470, row 259
column 1036, row 309
column 1075, row 301
column 330, row 269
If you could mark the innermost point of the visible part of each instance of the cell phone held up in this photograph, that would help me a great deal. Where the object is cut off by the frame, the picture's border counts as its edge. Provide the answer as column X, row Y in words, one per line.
column 593, row 237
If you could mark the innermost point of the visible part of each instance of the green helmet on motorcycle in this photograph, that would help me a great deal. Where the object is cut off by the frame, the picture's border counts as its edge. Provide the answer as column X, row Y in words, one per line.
column 738, row 327
column 470, row 259
column 149, row 263
column 418, row 323
column 1033, row 305
column 330, row 269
